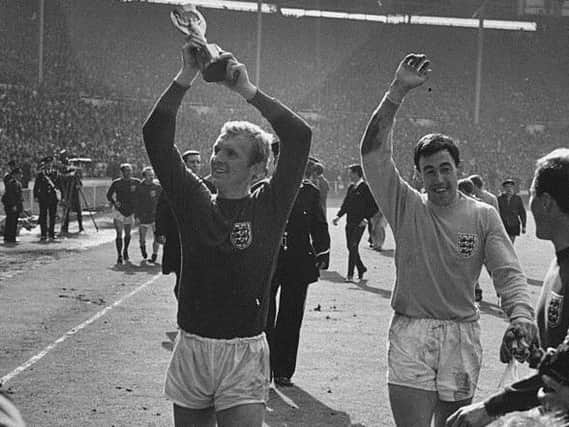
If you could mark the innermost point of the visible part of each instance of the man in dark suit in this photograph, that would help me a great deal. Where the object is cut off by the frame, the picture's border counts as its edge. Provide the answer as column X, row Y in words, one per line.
column 13, row 204
column 46, row 195
column 359, row 206
column 305, row 249
column 512, row 210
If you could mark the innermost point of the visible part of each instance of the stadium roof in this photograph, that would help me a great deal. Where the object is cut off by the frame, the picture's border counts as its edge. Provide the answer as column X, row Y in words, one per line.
column 498, row 14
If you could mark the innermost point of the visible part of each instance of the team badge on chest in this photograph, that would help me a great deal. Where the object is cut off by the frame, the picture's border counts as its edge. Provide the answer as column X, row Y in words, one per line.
column 467, row 244
column 241, row 235
column 554, row 310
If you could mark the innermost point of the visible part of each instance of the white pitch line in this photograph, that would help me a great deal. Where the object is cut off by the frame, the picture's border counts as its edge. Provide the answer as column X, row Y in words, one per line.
column 72, row 332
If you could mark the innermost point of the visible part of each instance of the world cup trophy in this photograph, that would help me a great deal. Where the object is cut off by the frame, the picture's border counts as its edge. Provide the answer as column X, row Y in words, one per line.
column 189, row 21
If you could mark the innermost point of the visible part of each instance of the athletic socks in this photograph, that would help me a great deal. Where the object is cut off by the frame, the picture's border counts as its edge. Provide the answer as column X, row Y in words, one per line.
column 125, row 250
column 118, row 244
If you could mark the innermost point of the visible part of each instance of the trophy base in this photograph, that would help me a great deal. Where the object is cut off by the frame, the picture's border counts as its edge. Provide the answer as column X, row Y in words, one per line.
column 215, row 71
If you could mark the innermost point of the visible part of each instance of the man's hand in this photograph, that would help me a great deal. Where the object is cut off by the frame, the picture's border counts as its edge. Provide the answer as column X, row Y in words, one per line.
column 519, row 341
column 190, row 68
column 161, row 239
column 237, row 77
column 335, row 221
column 473, row 415
column 412, row 72
column 364, row 222
column 556, row 397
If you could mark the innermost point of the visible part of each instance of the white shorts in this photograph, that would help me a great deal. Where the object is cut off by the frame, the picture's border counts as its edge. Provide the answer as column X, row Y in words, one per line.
column 218, row 373
column 151, row 226
column 119, row 217
column 436, row 355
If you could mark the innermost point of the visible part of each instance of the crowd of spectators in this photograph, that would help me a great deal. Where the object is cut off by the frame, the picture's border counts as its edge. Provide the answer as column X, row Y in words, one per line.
column 105, row 61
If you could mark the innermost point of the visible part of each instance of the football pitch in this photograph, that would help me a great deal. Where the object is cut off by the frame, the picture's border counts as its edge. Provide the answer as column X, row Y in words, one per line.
column 86, row 343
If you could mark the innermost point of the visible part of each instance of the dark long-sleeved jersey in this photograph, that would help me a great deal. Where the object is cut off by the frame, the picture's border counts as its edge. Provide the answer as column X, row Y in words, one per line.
column 147, row 195
column 229, row 246
column 122, row 195
column 553, row 322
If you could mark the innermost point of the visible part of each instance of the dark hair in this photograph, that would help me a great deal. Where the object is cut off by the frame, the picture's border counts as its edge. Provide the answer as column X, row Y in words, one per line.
column 357, row 169
column 190, row 153
column 552, row 177
column 433, row 143
column 466, row 186
column 477, row 180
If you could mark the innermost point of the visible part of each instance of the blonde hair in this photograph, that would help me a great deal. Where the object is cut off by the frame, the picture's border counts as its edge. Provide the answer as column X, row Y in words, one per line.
column 260, row 140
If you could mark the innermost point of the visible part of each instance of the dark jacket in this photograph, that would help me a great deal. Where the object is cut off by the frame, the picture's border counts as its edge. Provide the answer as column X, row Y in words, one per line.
column 306, row 240
column 167, row 226
column 512, row 213
column 13, row 195
column 45, row 187
column 358, row 204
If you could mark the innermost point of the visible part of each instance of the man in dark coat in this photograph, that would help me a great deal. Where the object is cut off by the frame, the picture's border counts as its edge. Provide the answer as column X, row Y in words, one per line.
column 305, row 249
column 13, row 204
column 512, row 210
column 11, row 167
column 46, row 195
column 359, row 206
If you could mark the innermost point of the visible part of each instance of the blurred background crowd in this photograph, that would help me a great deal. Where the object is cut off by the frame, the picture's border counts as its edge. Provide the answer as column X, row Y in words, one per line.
column 98, row 86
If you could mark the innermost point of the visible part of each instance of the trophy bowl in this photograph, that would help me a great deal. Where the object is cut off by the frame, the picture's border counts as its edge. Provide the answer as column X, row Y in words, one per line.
column 189, row 20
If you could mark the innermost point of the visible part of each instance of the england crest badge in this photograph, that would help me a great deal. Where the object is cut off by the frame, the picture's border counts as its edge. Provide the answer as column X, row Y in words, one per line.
column 554, row 310
column 467, row 244
column 241, row 235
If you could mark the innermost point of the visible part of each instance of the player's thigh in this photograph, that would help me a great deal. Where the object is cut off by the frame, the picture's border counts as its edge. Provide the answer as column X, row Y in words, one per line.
column 119, row 226
column 184, row 417
column 249, row 415
column 422, row 402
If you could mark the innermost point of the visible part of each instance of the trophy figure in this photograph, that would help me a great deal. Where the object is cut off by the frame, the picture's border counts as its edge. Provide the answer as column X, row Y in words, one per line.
column 189, row 21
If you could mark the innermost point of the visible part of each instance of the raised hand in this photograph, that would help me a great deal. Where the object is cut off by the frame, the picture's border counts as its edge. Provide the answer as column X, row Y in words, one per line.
column 413, row 71
column 237, row 77
column 190, row 65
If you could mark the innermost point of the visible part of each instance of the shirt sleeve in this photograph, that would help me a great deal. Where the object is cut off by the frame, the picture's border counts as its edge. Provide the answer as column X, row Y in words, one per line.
column 389, row 189
column 110, row 193
column 182, row 186
column 519, row 396
column 295, row 137
column 503, row 264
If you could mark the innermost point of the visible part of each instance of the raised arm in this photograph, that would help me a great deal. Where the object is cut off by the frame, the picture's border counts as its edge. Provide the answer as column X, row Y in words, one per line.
column 385, row 182
column 180, row 185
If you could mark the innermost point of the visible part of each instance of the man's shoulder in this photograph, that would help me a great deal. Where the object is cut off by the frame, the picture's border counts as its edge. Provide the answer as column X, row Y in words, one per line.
column 309, row 186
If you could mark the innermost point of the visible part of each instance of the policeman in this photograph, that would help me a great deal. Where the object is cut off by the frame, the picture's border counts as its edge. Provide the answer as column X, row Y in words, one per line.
column 11, row 167
column 305, row 249
column 13, row 204
column 45, row 193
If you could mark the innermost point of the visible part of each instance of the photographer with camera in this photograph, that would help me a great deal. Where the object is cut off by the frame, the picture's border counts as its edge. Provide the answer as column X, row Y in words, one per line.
column 549, row 203
column 219, row 370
